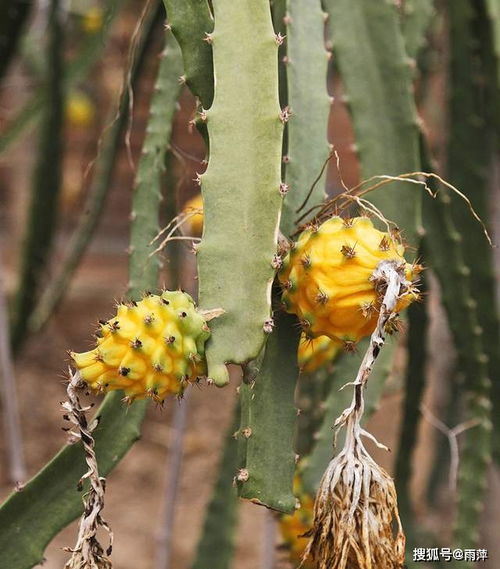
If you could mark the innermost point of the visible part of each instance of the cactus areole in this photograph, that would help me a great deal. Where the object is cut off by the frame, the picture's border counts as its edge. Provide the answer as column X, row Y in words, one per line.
column 329, row 278
column 151, row 348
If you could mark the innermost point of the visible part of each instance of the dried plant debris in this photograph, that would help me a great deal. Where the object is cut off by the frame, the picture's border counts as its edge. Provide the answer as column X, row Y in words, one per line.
column 356, row 520
column 87, row 553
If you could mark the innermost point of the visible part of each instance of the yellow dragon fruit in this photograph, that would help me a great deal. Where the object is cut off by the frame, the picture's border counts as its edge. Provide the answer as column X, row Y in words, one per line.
column 328, row 278
column 314, row 353
column 295, row 527
column 151, row 348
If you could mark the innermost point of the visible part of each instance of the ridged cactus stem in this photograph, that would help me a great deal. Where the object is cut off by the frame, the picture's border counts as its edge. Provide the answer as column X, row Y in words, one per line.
column 369, row 49
column 75, row 70
column 216, row 545
column 309, row 105
column 241, row 186
column 417, row 17
column 267, row 422
column 268, row 417
column 43, row 207
column 13, row 17
column 468, row 164
column 443, row 244
column 414, row 389
column 101, row 184
column 147, row 194
column 192, row 23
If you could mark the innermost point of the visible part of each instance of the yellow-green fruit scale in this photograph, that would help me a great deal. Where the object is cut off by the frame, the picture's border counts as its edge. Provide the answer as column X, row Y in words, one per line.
column 151, row 348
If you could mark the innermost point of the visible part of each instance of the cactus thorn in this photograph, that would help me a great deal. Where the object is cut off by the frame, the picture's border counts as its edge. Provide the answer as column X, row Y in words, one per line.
column 285, row 114
column 268, row 326
column 279, row 39
column 348, row 251
column 247, row 432
column 284, row 189
column 208, row 38
column 276, row 262
column 242, row 475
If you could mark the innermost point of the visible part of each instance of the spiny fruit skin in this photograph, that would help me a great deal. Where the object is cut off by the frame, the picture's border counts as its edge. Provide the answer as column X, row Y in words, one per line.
column 327, row 278
column 293, row 527
column 194, row 223
column 151, row 348
column 314, row 353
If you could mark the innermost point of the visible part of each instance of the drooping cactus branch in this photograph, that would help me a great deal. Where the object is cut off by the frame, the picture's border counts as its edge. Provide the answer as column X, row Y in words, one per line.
column 241, row 187
column 87, row 552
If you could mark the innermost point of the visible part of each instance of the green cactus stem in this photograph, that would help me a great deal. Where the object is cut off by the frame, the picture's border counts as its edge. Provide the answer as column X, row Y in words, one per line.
column 13, row 17
column 369, row 50
column 493, row 11
column 42, row 216
column 309, row 105
column 468, row 164
column 241, row 187
column 216, row 544
column 74, row 71
column 443, row 244
column 147, row 194
column 192, row 23
column 103, row 177
column 414, row 389
column 264, row 415
column 267, row 428
column 417, row 17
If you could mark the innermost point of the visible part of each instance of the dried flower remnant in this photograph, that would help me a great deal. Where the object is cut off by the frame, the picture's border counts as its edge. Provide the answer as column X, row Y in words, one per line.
column 88, row 553
column 356, row 519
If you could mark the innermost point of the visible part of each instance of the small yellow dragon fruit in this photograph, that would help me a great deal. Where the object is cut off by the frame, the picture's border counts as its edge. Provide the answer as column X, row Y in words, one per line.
column 193, row 208
column 295, row 528
column 314, row 353
column 329, row 278
column 80, row 110
column 151, row 348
